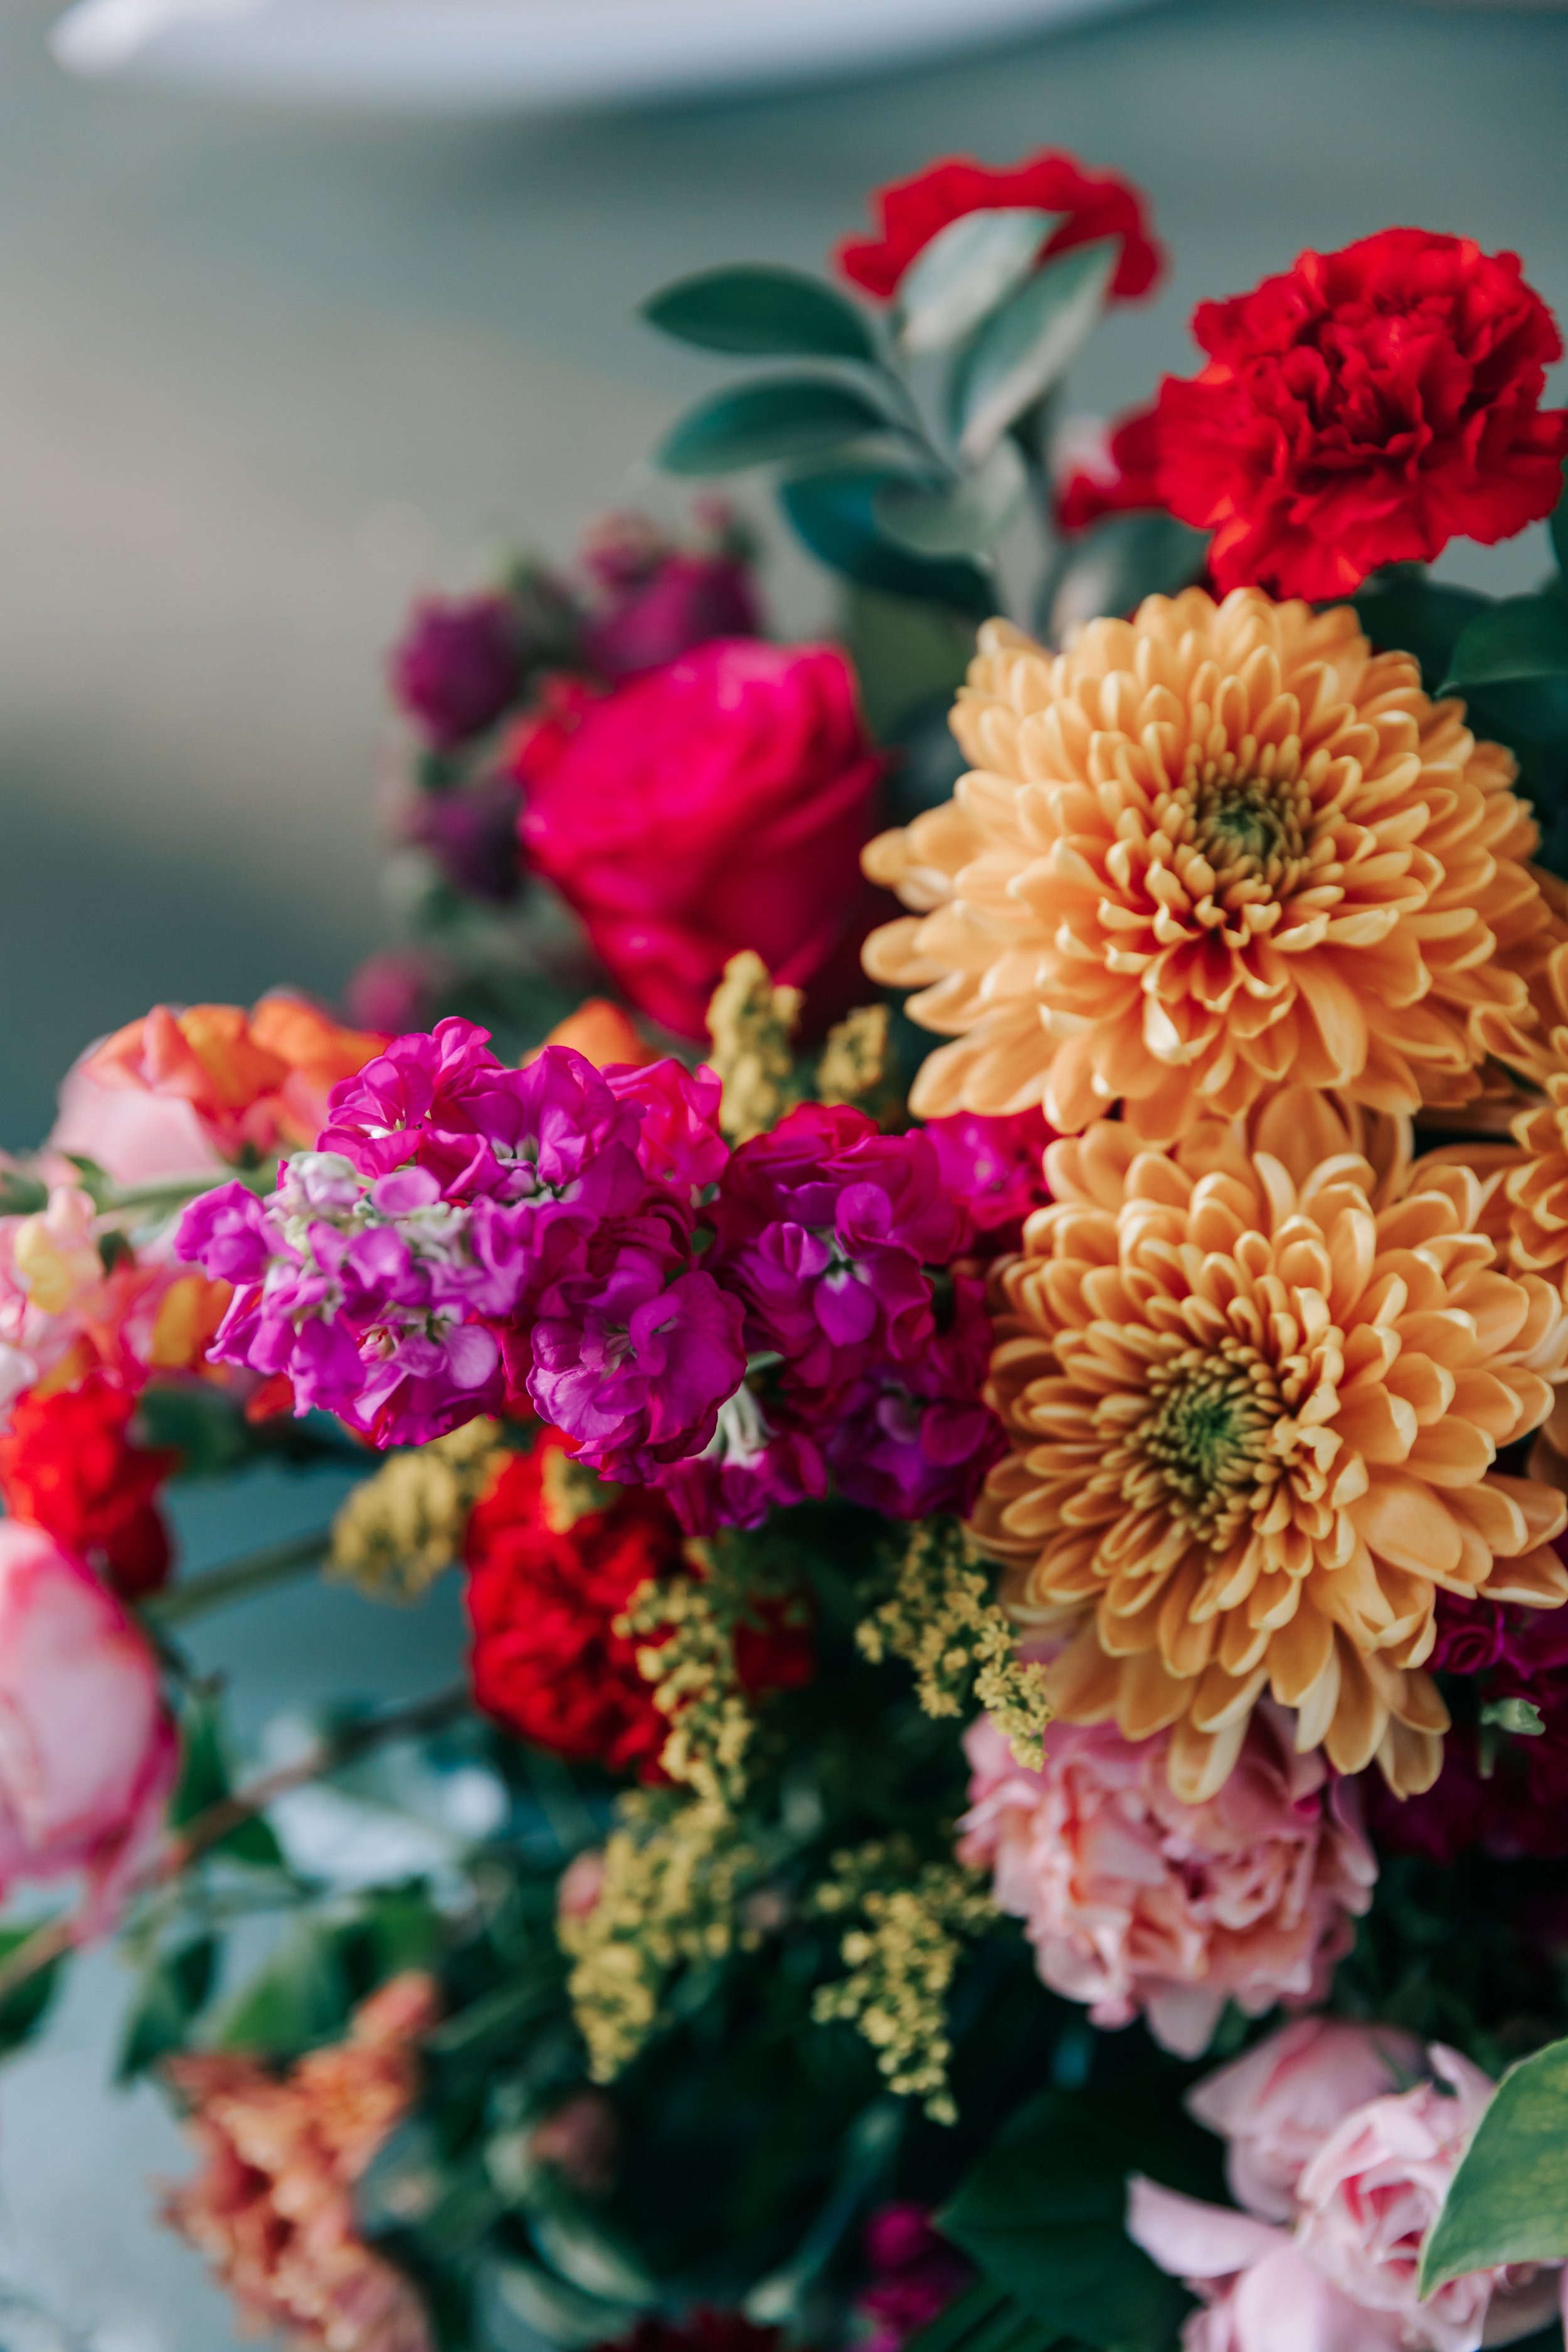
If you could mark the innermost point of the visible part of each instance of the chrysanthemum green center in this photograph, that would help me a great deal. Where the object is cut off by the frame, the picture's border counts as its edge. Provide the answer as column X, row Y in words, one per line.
column 1202, row 1449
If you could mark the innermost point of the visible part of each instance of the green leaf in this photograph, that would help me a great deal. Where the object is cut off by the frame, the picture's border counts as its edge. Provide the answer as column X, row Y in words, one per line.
column 204, row 1779
column 1111, row 568
column 771, row 421
column 20, row 1195
column 1508, row 2202
column 834, row 511
column 195, row 1420
column 1522, row 638
column 762, row 312
column 520, row 2302
column 300, row 1996
column 1043, row 2213
column 1026, row 346
column 908, row 658
column 174, row 1986
column 23, row 2012
column 1558, row 526
column 404, row 1929
column 968, row 267
column 957, row 517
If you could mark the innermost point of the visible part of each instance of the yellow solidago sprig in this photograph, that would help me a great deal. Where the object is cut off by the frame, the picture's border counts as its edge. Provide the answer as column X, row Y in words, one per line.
column 400, row 1528
column 911, row 1921
column 941, row 1618
column 852, row 1064
column 752, row 1024
column 690, row 1621
column 675, row 1868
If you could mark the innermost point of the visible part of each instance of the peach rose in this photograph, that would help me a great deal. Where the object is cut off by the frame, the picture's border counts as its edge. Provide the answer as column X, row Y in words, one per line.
column 184, row 1093
column 1138, row 1902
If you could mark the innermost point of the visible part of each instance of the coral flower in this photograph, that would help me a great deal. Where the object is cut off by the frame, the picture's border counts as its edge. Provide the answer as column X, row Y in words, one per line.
column 1253, row 1419
column 1196, row 849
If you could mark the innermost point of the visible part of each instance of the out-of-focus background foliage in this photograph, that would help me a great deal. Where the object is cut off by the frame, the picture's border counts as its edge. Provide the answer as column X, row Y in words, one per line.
column 263, row 374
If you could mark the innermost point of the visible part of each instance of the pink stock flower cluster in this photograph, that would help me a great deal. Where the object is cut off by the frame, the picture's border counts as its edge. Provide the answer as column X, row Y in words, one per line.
column 1342, row 2140
column 465, row 1235
column 1138, row 1904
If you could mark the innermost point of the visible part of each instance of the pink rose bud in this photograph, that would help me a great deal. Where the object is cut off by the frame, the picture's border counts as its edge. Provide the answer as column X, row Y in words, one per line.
column 87, row 1750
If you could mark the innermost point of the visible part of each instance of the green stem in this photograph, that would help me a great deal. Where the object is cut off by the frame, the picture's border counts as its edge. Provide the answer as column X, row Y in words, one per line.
column 236, row 1580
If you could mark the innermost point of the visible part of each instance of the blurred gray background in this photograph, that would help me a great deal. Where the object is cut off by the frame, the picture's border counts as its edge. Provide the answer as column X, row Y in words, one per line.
column 264, row 376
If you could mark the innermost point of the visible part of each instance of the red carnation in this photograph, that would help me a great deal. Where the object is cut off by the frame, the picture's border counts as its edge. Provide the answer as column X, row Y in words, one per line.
column 547, row 1578
column 69, row 1464
column 1096, row 204
column 545, row 1588
column 1365, row 409
column 1122, row 479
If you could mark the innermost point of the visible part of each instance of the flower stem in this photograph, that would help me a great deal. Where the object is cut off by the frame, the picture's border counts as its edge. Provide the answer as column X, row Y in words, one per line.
column 236, row 1580
column 50, row 1942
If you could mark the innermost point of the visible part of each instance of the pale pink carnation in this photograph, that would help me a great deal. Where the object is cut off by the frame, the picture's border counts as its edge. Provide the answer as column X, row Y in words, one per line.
column 1137, row 1903
column 1341, row 2192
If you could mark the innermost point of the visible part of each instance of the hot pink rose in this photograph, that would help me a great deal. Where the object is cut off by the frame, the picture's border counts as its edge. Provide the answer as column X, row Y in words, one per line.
column 1277, row 2105
column 717, row 804
column 1135, row 1901
column 1334, row 2267
column 86, row 1751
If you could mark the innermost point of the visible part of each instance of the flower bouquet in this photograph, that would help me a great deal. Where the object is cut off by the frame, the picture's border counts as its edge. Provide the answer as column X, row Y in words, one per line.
column 1012, row 1785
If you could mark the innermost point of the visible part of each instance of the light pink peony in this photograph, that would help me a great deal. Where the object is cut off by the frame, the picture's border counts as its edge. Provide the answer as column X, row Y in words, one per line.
column 1277, row 2105
column 86, row 1751
column 1350, row 2186
column 1135, row 1901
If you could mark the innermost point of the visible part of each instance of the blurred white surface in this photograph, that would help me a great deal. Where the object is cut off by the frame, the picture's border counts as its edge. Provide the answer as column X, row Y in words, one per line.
column 492, row 55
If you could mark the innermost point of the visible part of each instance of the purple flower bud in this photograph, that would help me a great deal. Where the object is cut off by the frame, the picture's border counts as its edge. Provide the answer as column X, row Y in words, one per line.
column 458, row 667
column 471, row 830
column 684, row 601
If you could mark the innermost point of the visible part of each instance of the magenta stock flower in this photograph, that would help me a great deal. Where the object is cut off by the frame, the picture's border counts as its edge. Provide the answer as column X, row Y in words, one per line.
column 909, row 1439
column 995, row 1167
column 825, row 1228
column 633, row 1357
column 763, row 1454
column 679, row 1142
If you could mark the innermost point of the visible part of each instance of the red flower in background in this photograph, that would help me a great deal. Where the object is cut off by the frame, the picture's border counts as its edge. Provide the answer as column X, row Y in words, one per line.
column 553, row 1557
column 1125, row 478
column 69, row 1464
column 1096, row 204
column 718, row 804
column 1363, row 409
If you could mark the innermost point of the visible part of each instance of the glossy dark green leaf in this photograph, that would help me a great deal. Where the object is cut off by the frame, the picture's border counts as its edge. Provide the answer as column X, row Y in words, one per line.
column 762, row 312
column 963, row 516
column 23, row 2012
column 1407, row 612
column 1508, row 2202
column 173, row 1987
column 1111, row 568
column 204, row 1779
column 1043, row 2213
column 834, row 511
column 1025, row 348
column 1520, row 640
column 300, row 1996
column 775, row 420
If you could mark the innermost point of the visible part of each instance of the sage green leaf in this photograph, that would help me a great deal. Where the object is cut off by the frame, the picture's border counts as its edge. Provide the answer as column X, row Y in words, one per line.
column 1508, row 2202
column 956, row 517
column 968, row 267
column 204, row 1779
column 777, row 418
column 834, row 511
column 1109, row 568
column 762, row 312
column 1027, row 346
column 1520, row 639
column 520, row 2302
column 1413, row 613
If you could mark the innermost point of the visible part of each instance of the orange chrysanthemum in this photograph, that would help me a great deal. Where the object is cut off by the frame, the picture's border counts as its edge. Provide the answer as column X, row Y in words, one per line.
column 1203, row 853
column 1253, row 1416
